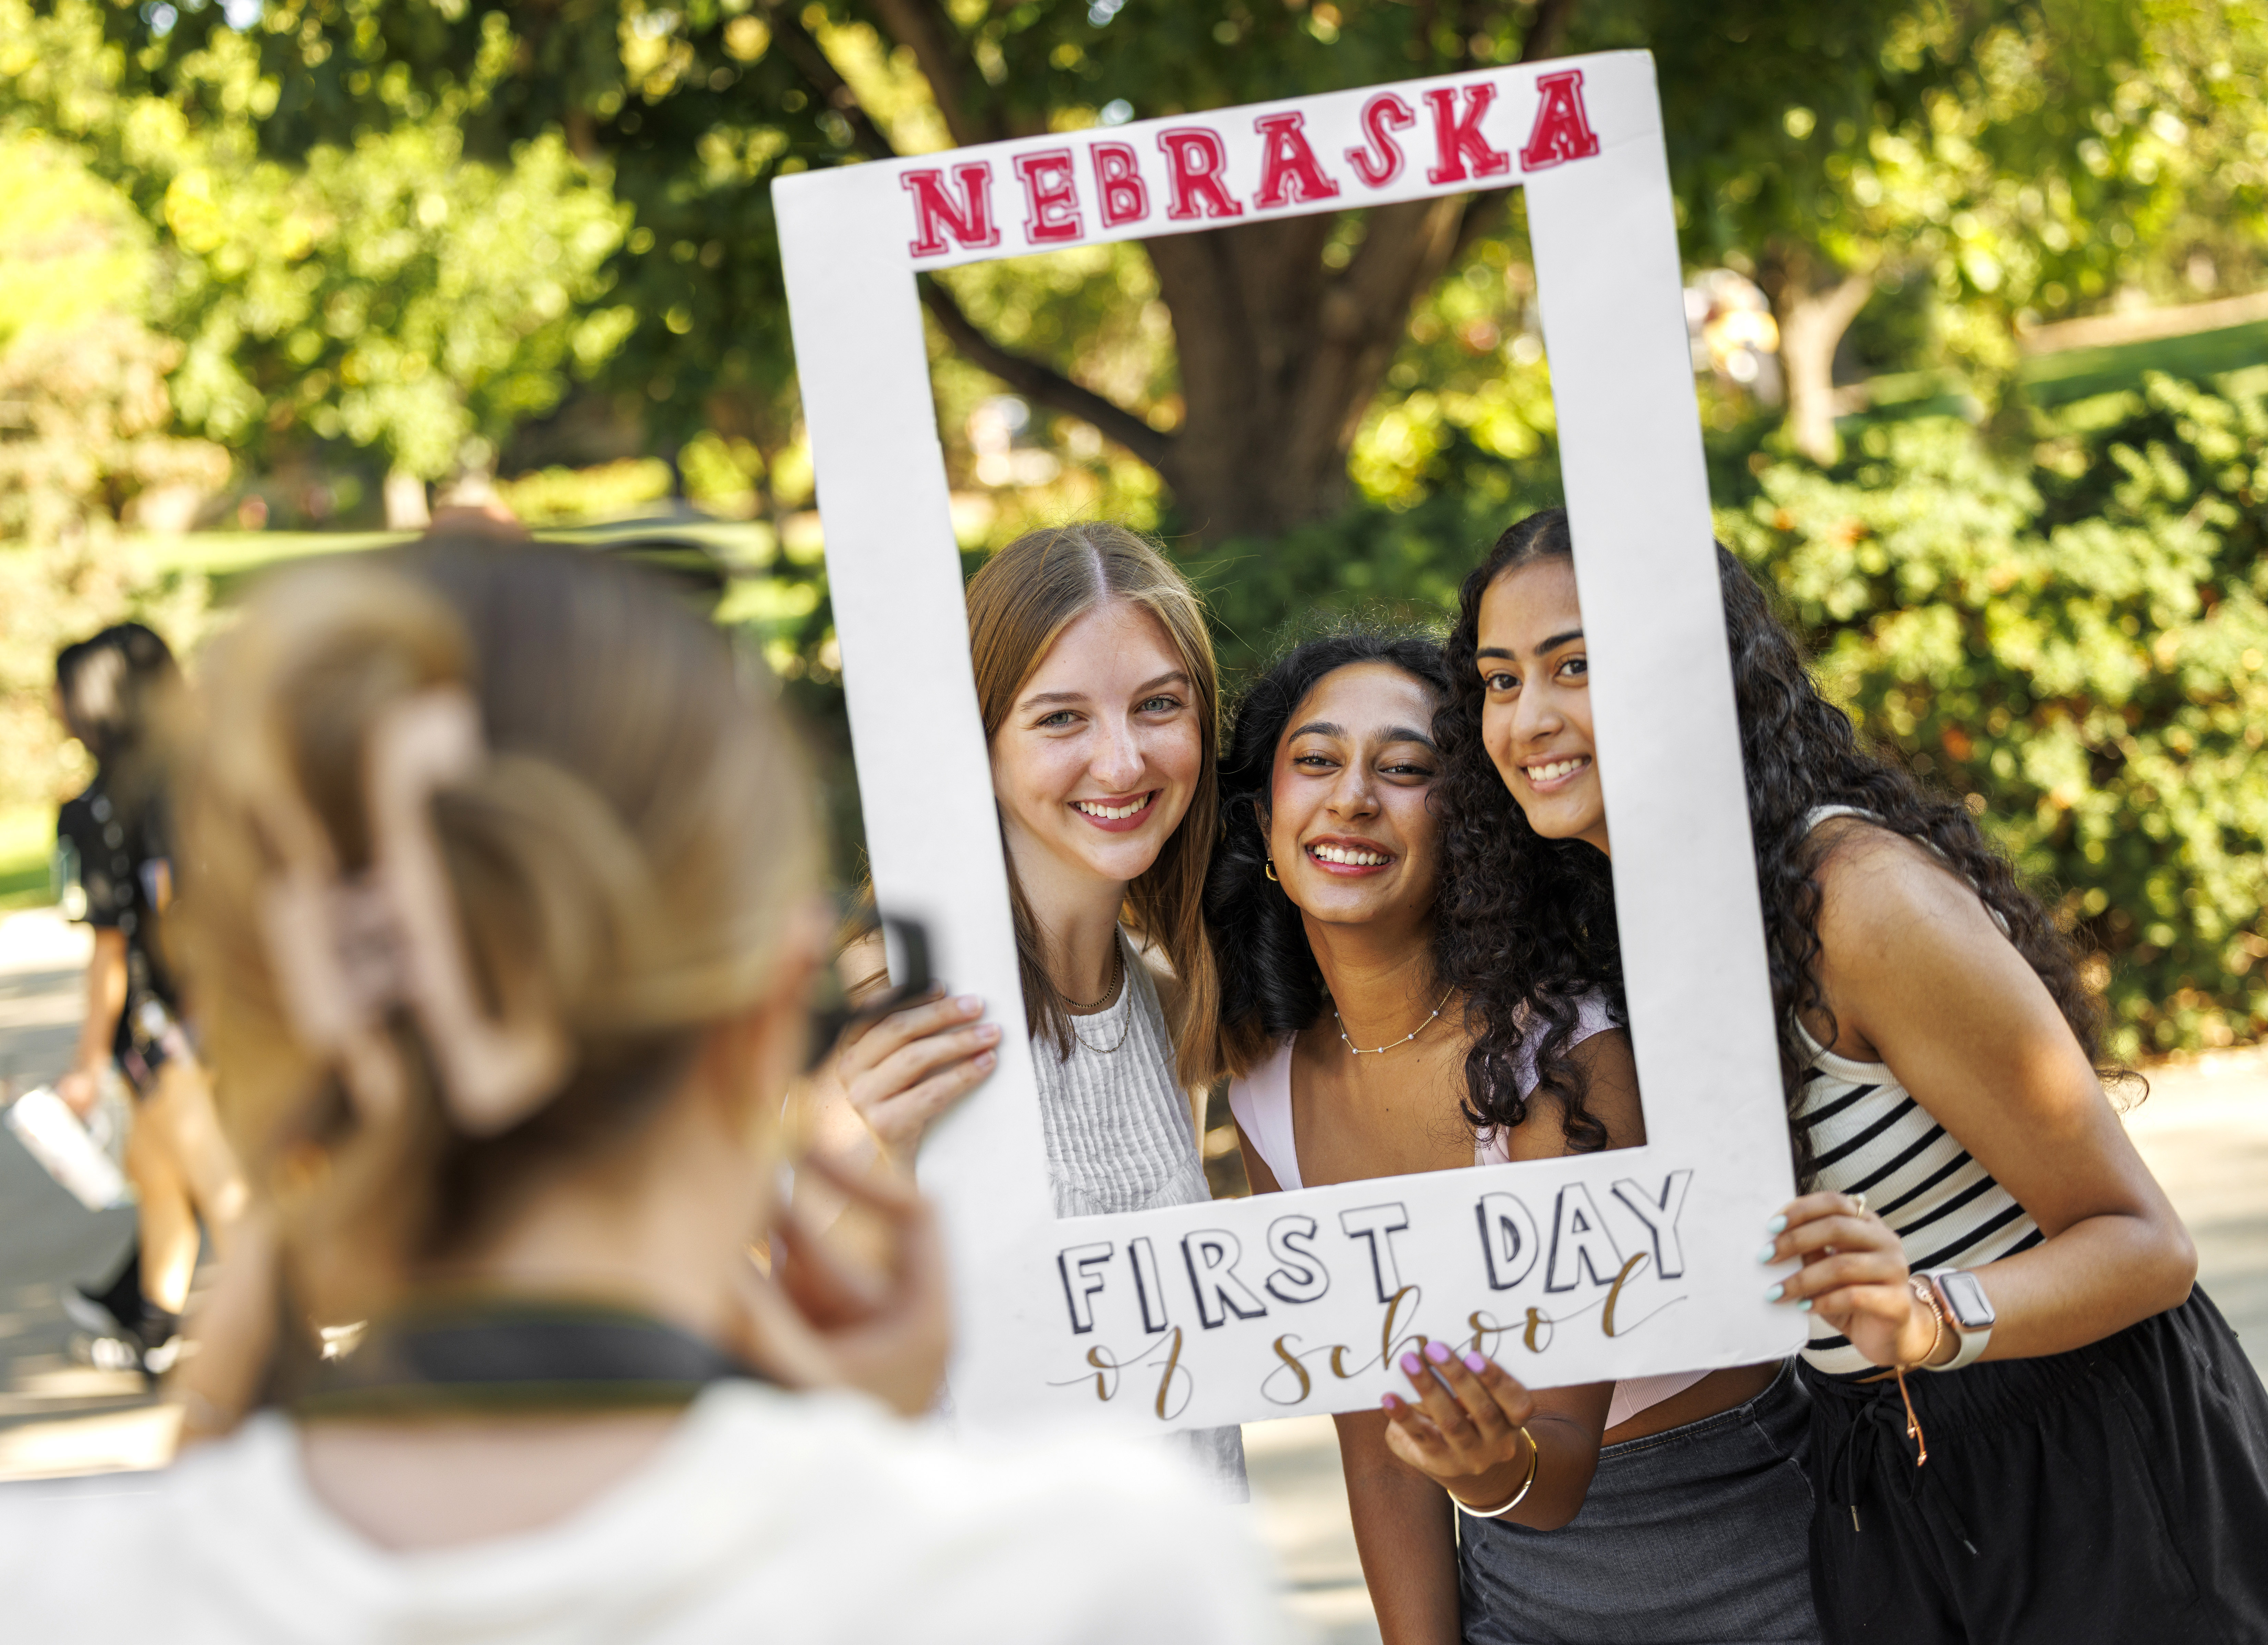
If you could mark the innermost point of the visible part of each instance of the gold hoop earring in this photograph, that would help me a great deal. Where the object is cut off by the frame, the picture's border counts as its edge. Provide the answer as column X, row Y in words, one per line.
column 1271, row 870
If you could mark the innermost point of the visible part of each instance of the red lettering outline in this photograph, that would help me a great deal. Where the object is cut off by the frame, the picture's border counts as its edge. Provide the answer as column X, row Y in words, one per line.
column 1457, row 141
column 1184, row 148
column 1125, row 198
column 936, row 215
column 1563, row 130
column 1289, row 171
column 1382, row 115
column 1051, row 202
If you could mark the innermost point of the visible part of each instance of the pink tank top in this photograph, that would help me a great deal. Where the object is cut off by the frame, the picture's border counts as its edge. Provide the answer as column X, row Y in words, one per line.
column 1261, row 1103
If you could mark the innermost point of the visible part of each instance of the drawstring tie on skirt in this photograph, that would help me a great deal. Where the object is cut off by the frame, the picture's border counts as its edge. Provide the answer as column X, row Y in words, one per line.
column 1883, row 1437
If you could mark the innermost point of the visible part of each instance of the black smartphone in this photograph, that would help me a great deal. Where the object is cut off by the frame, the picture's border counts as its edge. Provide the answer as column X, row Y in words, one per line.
column 905, row 945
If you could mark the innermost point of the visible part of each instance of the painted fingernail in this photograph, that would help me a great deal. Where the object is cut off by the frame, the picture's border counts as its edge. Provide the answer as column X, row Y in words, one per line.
column 1390, row 1403
column 1768, row 1253
column 1475, row 1364
column 1778, row 1225
column 1438, row 1352
column 984, row 1061
column 1773, row 1294
column 1410, row 1365
column 1804, row 1307
column 969, row 1004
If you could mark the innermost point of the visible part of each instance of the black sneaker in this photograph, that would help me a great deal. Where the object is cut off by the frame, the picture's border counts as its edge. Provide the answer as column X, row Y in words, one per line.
column 161, row 1337
column 92, row 1314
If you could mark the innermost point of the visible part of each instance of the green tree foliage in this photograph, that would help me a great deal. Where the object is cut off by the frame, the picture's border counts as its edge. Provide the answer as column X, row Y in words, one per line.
column 2012, row 164
column 2072, row 636
column 1284, row 329
column 2077, row 641
column 384, row 292
column 390, row 296
column 86, row 419
column 85, row 435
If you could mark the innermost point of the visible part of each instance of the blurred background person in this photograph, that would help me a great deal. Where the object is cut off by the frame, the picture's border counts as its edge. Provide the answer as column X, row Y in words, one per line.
column 501, row 932
column 115, row 872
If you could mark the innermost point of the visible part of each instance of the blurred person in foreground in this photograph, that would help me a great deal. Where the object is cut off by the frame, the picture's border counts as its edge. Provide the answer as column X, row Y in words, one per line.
column 501, row 932
column 114, row 872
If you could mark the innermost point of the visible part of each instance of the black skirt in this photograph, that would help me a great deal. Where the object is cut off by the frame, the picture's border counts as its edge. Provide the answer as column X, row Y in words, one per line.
column 2117, row 1493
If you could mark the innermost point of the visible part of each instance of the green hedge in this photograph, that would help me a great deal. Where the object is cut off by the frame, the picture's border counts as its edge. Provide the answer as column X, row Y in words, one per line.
column 2074, row 637
column 2071, row 633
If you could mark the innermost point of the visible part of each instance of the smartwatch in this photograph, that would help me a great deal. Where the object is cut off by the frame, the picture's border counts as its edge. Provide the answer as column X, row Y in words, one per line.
column 1960, row 1299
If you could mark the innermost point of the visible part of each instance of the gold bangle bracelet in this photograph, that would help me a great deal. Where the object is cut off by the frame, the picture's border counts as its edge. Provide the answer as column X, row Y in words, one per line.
column 1535, row 1465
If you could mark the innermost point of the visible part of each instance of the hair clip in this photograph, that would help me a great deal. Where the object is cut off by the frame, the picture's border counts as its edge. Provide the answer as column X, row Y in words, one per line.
column 345, row 953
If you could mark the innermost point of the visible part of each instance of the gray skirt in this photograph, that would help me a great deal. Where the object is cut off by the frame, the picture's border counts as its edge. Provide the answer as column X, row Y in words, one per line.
column 1696, row 1536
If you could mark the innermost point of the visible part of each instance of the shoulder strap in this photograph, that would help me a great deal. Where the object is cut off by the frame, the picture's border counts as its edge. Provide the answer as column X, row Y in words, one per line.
column 1820, row 813
column 1261, row 1103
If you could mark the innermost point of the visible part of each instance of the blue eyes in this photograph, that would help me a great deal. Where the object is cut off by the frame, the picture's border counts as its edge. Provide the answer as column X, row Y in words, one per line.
column 1064, row 717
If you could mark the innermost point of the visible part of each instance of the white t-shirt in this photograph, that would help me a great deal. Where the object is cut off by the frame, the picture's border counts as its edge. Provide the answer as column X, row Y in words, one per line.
column 765, row 1516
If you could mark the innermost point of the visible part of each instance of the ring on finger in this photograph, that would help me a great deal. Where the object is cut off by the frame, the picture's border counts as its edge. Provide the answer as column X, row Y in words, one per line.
column 1857, row 1205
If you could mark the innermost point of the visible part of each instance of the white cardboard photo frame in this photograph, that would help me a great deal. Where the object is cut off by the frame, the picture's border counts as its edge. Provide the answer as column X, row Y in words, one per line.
column 1633, row 1263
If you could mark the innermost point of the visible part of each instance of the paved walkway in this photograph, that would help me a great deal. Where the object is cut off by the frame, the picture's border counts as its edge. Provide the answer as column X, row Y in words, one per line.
column 46, row 1239
column 2203, row 1130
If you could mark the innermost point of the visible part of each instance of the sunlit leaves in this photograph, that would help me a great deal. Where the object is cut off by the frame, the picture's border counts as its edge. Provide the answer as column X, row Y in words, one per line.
column 2083, row 644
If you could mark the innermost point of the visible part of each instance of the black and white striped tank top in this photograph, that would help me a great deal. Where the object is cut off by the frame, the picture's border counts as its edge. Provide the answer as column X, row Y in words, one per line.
column 1869, row 1136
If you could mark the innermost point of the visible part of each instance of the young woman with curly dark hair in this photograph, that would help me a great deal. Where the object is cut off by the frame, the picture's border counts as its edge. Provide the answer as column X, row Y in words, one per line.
column 1350, row 1048
column 1969, row 1194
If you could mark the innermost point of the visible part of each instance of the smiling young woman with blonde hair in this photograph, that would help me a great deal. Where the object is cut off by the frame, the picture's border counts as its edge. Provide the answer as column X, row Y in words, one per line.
column 1101, row 701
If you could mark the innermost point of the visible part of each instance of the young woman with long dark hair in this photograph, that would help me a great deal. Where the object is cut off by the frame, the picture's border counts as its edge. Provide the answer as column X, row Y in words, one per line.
column 1664, row 1508
column 115, row 868
column 2097, row 1447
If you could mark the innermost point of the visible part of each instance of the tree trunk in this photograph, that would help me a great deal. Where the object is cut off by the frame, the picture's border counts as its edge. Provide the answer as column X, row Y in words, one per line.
column 1280, row 359
column 1280, row 356
column 1813, row 304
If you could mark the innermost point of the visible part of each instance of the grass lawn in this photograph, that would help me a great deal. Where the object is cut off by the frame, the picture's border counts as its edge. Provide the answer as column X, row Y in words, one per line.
column 743, row 545
column 27, row 838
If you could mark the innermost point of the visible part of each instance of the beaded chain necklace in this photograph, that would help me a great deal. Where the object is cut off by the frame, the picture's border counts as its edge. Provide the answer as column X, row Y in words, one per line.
column 1374, row 1052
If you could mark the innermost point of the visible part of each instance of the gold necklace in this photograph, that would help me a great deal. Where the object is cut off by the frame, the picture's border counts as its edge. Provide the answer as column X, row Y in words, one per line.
column 1117, row 980
column 1405, row 1040
column 1117, row 976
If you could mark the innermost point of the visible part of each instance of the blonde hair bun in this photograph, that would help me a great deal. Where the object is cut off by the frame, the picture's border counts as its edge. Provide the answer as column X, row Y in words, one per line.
column 619, row 840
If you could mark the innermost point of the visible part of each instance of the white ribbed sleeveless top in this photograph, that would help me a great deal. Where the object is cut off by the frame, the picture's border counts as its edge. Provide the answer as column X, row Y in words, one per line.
column 1120, row 1138
column 1870, row 1136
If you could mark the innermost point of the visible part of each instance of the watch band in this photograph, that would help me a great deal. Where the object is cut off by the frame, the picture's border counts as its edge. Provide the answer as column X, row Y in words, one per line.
column 1972, row 1338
